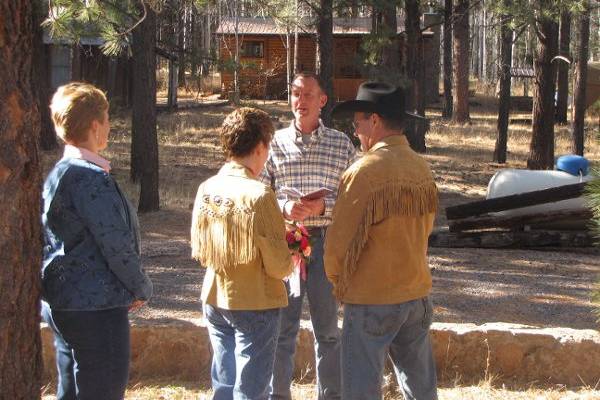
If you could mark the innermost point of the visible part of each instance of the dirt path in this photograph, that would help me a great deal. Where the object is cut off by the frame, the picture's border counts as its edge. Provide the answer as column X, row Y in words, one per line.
column 470, row 285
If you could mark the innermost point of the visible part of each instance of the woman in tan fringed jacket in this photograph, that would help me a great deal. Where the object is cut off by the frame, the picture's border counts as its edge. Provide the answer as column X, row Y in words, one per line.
column 238, row 235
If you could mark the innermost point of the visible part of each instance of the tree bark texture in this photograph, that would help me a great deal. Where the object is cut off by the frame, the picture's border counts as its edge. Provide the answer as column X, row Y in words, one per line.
column 144, row 143
column 390, row 55
column 325, row 55
column 541, row 149
column 562, row 81
column 415, row 70
column 461, row 42
column 20, row 244
column 447, row 111
column 506, row 35
column 181, row 27
column 578, row 129
column 42, row 87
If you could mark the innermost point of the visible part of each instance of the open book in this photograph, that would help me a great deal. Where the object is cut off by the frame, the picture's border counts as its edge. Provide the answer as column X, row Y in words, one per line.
column 295, row 194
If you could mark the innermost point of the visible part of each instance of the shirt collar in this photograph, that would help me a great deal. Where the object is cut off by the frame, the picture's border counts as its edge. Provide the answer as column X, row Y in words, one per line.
column 314, row 134
column 84, row 154
column 393, row 140
column 234, row 168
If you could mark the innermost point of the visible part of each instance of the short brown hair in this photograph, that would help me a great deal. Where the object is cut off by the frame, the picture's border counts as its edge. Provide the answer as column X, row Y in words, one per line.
column 74, row 106
column 309, row 75
column 244, row 129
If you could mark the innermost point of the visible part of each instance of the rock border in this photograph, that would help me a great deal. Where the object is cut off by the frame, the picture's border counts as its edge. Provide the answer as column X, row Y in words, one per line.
column 465, row 353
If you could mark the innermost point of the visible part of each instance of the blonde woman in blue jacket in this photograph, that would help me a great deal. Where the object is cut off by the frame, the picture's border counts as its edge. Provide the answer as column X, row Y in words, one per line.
column 91, row 273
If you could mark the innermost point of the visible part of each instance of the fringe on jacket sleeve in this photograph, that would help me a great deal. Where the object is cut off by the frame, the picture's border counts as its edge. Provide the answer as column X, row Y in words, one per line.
column 396, row 199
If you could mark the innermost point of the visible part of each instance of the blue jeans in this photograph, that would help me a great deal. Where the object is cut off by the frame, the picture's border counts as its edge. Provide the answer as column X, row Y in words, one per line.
column 92, row 352
column 371, row 332
column 243, row 345
column 323, row 314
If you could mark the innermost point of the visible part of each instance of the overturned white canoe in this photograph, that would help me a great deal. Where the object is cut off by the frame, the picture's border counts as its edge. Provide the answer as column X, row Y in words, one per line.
column 515, row 181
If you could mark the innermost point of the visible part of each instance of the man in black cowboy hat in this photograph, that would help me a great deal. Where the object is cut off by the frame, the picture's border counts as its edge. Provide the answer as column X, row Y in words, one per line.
column 376, row 252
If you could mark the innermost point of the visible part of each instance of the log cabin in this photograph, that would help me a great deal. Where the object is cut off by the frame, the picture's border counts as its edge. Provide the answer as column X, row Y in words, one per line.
column 263, row 55
column 66, row 62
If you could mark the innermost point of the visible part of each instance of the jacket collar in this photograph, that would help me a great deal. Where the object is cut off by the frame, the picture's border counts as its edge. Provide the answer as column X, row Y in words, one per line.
column 233, row 168
column 393, row 140
column 84, row 154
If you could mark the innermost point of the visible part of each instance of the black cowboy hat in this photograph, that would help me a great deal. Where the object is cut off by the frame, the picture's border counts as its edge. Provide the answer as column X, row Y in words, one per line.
column 377, row 97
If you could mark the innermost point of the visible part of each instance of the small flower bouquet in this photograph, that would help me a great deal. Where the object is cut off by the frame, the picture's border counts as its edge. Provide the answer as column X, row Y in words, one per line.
column 298, row 240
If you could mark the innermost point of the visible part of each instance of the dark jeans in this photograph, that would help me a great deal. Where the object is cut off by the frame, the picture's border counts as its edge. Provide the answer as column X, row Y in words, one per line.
column 92, row 352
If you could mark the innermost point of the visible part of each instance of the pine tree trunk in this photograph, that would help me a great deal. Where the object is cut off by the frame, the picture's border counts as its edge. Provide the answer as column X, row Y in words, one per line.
column 390, row 55
column 181, row 26
column 563, row 69
column 541, row 150
column 42, row 86
column 20, row 247
column 578, row 130
column 195, row 41
column 288, row 64
column 460, row 105
column 447, row 112
column 236, row 71
column 325, row 55
column 506, row 35
column 296, row 36
column 144, row 144
column 415, row 102
column 475, row 30
column 76, row 74
column 484, row 49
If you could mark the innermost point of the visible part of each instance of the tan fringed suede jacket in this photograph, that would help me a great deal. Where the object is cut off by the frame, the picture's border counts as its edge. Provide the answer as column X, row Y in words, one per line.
column 376, row 246
column 238, row 234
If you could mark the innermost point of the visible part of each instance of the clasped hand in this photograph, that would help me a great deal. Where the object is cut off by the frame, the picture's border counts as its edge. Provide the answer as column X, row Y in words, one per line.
column 302, row 209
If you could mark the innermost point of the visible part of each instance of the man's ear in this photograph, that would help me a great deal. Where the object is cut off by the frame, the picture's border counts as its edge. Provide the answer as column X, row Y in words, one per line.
column 323, row 99
column 376, row 119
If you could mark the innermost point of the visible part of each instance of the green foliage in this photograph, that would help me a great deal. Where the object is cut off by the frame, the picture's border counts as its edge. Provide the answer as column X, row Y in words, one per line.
column 593, row 198
column 528, row 12
column 111, row 20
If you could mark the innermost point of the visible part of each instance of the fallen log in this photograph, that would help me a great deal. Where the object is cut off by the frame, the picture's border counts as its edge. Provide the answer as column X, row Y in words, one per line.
column 551, row 240
column 515, row 201
column 513, row 222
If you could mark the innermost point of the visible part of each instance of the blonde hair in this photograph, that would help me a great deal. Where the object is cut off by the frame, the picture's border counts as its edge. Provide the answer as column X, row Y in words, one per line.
column 74, row 107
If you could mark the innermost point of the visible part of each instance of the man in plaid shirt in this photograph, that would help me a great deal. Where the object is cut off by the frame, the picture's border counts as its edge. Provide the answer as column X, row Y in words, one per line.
column 308, row 156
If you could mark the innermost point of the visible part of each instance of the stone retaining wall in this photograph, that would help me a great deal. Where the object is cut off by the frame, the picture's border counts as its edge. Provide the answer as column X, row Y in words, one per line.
column 509, row 353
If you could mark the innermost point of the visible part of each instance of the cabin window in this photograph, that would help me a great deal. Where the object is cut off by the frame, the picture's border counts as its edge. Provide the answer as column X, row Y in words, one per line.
column 253, row 49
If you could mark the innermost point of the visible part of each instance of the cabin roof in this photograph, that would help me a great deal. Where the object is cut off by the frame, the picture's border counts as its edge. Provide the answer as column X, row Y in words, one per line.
column 268, row 26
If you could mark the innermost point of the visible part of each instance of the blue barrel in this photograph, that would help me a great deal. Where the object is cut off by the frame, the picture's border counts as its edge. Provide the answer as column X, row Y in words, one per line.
column 573, row 164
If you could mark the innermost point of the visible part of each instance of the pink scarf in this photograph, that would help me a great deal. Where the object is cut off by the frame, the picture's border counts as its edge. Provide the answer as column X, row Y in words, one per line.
column 84, row 154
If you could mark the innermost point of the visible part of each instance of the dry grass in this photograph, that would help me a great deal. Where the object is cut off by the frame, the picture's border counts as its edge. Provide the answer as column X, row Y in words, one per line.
column 461, row 155
column 190, row 149
column 461, row 158
column 483, row 391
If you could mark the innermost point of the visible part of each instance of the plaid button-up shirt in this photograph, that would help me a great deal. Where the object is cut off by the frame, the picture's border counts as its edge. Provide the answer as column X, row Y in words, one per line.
column 310, row 166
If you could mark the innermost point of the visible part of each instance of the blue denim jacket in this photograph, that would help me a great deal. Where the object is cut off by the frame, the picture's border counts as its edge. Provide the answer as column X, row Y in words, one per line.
column 91, row 257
